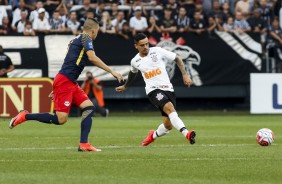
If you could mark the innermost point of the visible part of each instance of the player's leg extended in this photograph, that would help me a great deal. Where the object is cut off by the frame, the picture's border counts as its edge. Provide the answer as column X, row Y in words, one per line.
column 178, row 123
column 86, row 122
column 58, row 119
column 62, row 103
column 162, row 130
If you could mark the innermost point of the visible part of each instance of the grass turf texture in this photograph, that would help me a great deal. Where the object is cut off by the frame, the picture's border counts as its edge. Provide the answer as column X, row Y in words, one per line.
column 225, row 151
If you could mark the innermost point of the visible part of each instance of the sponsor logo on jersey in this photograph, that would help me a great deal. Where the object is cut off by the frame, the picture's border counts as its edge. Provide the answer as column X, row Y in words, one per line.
column 160, row 87
column 67, row 103
column 90, row 45
column 160, row 96
column 152, row 73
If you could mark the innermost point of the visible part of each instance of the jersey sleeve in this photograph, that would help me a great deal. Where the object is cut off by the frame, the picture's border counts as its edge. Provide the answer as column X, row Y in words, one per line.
column 167, row 54
column 133, row 69
column 87, row 42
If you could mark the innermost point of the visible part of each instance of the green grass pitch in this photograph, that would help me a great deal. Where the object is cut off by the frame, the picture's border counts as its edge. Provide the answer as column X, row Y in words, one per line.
column 225, row 151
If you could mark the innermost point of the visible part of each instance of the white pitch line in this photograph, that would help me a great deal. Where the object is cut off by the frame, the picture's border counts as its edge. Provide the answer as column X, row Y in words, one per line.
column 180, row 145
column 141, row 159
column 137, row 146
column 141, row 137
column 96, row 137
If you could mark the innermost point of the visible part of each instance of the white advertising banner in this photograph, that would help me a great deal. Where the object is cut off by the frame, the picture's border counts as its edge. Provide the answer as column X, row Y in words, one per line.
column 266, row 93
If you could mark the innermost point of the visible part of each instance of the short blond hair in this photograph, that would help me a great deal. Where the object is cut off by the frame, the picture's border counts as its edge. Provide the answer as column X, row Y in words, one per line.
column 90, row 23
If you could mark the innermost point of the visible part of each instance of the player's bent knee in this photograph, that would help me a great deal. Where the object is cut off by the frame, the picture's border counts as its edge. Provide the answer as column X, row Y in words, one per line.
column 93, row 108
column 85, row 104
column 62, row 119
column 88, row 111
column 168, row 108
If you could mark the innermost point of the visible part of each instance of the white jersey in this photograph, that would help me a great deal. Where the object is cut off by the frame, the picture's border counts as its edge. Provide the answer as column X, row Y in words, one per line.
column 153, row 69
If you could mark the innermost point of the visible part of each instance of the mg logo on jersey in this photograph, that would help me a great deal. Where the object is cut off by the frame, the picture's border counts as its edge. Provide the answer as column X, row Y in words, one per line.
column 29, row 94
column 152, row 73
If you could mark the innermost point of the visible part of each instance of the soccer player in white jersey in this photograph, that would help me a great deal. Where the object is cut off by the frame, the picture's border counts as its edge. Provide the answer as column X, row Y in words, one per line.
column 149, row 61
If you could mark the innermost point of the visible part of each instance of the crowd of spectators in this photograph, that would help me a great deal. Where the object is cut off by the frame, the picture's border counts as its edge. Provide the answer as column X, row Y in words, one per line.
column 128, row 17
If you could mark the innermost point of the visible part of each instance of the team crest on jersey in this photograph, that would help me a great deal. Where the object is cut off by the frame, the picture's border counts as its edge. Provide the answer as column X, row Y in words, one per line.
column 160, row 96
column 67, row 103
column 154, row 58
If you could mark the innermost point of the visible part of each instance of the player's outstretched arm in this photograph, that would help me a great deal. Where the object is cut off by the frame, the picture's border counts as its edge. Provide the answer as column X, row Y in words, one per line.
column 186, row 79
column 98, row 62
column 130, row 79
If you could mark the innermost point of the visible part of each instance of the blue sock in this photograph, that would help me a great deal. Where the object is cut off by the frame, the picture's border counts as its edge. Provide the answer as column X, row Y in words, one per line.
column 86, row 123
column 44, row 118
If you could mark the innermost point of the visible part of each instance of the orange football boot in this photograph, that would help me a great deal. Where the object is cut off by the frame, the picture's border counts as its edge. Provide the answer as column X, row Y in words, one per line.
column 83, row 147
column 191, row 136
column 149, row 139
column 18, row 119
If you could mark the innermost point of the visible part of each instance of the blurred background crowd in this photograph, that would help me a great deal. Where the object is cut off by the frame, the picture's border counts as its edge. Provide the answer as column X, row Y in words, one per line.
column 154, row 17
column 126, row 17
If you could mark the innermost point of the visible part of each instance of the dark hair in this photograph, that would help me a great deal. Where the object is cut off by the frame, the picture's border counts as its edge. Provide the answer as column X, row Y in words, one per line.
column 197, row 12
column 1, row 49
column 28, row 23
column 125, row 24
column 168, row 9
column 230, row 17
column 101, row 2
column 139, row 36
column 275, row 19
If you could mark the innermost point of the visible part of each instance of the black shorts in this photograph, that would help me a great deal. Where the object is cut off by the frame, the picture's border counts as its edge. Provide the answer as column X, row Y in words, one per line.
column 159, row 98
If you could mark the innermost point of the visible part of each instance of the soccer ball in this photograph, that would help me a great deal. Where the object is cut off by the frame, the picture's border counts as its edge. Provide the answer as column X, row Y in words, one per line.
column 265, row 137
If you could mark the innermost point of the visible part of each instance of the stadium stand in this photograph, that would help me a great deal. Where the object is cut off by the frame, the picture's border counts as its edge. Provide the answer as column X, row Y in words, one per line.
column 199, row 16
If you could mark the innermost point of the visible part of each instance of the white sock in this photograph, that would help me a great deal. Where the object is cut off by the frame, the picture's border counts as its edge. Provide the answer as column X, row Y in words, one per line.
column 161, row 131
column 177, row 123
